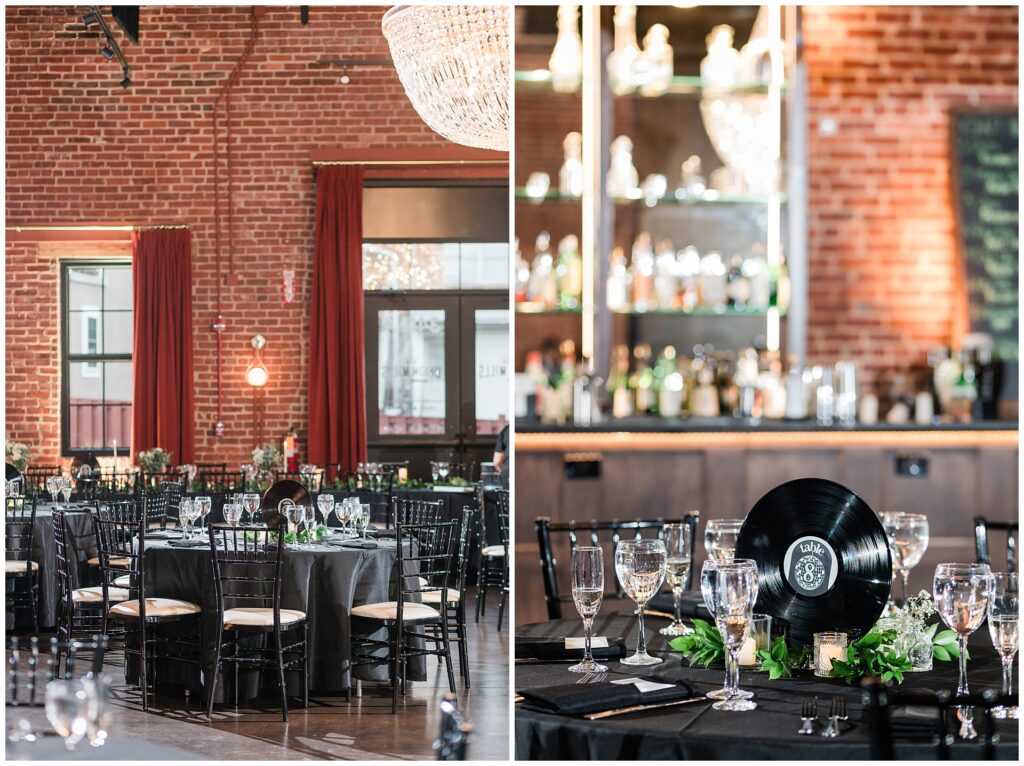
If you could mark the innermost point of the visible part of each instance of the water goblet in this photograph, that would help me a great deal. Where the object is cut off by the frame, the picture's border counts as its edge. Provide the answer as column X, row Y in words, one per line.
column 185, row 508
column 1003, row 617
column 961, row 594
column 708, row 584
column 678, row 545
column 640, row 567
column 101, row 714
column 908, row 541
column 68, row 706
column 434, row 470
column 203, row 504
column 343, row 512
column 251, row 503
column 720, row 538
column 587, row 594
column 735, row 593
column 232, row 513
column 309, row 517
column 325, row 502
column 443, row 469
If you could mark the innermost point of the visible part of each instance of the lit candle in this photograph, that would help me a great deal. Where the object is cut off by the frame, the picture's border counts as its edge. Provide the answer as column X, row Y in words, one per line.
column 748, row 653
column 115, row 454
column 828, row 647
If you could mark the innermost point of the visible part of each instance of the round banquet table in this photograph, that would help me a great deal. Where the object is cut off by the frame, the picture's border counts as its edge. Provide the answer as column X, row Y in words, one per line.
column 325, row 582
column 696, row 731
column 51, row 748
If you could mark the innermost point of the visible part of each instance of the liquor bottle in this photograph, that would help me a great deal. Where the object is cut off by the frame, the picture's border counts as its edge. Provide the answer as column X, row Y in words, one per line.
column 780, row 289
column 618, row 384
column 622, row 61
column 797, row 388
column 666, row 283
column 718, row 69
column 623, row 180
column 569, row 273
column 585, row 410
column 656, row 62
column 619, row 288
column 688, row 269
column 773, row 390
column 737, row 286
column 542, row 286
column 755, row 269
column 989, row 374
column 964, row 392
column 664, row 367
column 712, row 281
column 704, row 401
column 643, row 273
column 566, row 62
column 745, row 380
column 692, row 184
column 570, row 175
column 671, row 386
column 728, row 392
column 642, row 380
column 522, row 275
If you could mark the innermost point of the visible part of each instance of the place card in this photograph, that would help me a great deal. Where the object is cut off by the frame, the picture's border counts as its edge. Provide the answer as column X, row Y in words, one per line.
column 597, row 642
column 643, row 686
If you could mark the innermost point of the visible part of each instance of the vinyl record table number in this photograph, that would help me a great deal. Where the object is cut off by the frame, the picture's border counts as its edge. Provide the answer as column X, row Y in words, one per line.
column 822, row 557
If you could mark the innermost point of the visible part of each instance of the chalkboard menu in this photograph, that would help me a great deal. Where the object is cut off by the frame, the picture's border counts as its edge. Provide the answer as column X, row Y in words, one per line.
column 985, row 193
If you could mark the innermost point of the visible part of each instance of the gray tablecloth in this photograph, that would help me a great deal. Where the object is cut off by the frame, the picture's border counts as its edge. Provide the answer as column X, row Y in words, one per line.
column 325, row 582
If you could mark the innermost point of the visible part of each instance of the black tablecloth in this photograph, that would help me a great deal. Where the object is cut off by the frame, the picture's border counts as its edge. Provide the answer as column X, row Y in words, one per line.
column 696, row 731
column 52, row 749
column 325, row 582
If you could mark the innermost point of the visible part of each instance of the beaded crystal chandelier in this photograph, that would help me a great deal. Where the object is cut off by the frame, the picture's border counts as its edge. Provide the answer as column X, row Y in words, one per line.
column 453, row 61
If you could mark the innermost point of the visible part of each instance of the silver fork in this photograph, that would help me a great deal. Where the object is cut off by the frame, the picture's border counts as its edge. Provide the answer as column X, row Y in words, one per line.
column 808, row 712
column 832, row 730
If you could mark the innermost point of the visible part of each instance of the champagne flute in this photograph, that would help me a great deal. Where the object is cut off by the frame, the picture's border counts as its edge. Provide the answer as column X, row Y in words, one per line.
column 708, row 585
column 53, row 488
column 364, row 518
column 65, row 488
column 325, row 502
column 587, row 594
column 1003, row 616
column 68, row 706
column 640, row 567
column 309, row 516
column 251, row 503
column 908, row 541
column 184, row 516
column 202, row 504
column 720, row 538
column 679, row 545
column 735, row 593
column 961, row 594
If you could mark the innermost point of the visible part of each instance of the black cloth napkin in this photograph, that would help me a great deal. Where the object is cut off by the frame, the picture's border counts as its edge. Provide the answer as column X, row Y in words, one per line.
column 691, row 605
column 580, row 699
column 914, row 722
column 158, row 534
column 188, row 543
column 549, row 648
column 367, row 545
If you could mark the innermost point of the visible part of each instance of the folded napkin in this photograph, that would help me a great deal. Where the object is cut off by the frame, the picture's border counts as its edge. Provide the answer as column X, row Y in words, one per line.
column 913, row 722
column 550, row 648
column 691, row 605
column 188, row 543
column 364, row 545
column 384, row 533
column 580, row 699
column 166, row 534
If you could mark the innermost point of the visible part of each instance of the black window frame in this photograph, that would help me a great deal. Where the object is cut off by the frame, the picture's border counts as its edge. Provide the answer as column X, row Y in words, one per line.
column 67, row 358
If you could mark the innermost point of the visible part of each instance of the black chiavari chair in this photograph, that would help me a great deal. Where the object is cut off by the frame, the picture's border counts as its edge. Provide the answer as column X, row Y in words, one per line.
column 591, row 532
column 33, row 480
column 982, row 527
column 172, row 490
column 879, row 702
column 375, row 490
column 465, row 471
column 31, row 681
column 220, row 479
column 247, row 585
column 492, row 559
column 453, row 739
column 413, row 511
column 427, row 549
column 21, row 573
column 455, row 607
column 121, row 536
column 155, row 503
column 211, row 467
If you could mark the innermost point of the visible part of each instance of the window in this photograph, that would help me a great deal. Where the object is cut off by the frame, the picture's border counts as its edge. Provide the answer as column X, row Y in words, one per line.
column 96, row 393
column 435, row 266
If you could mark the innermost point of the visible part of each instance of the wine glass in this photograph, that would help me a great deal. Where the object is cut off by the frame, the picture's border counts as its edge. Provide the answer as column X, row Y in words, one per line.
column 1003, row 616
column 53, row 489
column 325, row 502
column 708, row 584
column 68, row 706
column 443, row 469
column 202, row 504
column 678, row 544
column 735, row 593
column 309, row 517
column 232, row 514
column 961, row 594
column 720, row 538
column 908, row 540
column 434, row 470
column 343, row 512
column 185, row 516
column 640, row 567
column 587, row 594
column 100, row 714
column 299, row 515
column 251, row 503
column 65, row 488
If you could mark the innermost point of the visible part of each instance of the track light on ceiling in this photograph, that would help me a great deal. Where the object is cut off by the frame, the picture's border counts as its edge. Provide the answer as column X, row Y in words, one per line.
column 108, row 54
column 110, row 49
column 92, row 17
column 127, row 81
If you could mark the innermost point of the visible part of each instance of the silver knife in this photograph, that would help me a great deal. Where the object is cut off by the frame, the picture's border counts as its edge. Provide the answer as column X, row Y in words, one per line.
column 640, row 708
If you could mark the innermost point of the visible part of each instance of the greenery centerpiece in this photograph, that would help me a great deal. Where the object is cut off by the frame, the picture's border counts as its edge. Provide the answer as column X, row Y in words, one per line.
column 17, row 455
column 154, row 461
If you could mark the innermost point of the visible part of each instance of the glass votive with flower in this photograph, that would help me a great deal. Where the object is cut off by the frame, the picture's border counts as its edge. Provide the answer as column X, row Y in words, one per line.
column 828, row 646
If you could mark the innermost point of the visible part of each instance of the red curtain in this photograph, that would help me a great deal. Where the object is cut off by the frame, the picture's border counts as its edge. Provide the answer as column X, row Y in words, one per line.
column 162, row 399
column 337, row 379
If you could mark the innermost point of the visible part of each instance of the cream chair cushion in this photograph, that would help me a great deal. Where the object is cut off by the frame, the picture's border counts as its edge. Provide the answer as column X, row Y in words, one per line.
column 388, row 610
column 94, row 594
column 156, row 607
column 14, row 567
column 259, row 617
column 120, row 563
column 494, row 551
column 434, row 596
column 124, row 581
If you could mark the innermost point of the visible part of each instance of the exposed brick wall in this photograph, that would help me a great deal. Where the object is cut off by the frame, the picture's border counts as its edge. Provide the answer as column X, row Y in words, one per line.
column 80, row 149
column 882, row 240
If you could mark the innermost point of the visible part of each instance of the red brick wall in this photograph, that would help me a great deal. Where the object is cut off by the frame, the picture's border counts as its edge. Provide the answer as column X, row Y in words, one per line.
column 81, row 149
column 885, row 282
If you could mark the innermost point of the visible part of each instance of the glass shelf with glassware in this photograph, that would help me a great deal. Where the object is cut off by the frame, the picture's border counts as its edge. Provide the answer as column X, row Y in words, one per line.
column 540, row 80
column 636, row 198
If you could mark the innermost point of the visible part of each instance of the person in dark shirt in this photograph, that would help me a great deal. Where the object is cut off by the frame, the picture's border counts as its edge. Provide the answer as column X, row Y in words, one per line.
column 501, row 455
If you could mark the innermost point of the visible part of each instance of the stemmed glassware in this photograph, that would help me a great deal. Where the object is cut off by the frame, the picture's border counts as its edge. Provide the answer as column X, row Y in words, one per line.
column 961, row 594
column 363, row 519
column 202, row 504
column 251, row 503
column 640, row 567
column 587, row 594
column 343, row 512
column 708, row 585
column 68, row 706
column 434, row 470
column 720, row 537
column 53, row 488
column 101, row 713
column 1003, row 617
column 443, row 468
column 908, row 541
column 325, row 502
column 65, row 488
column 679, row 546
column 185, row 511
column 309, row 517
column 232, row 513
column 735, row 592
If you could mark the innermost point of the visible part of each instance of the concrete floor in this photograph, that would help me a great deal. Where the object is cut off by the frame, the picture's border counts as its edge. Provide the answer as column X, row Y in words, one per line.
column 330, row 728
